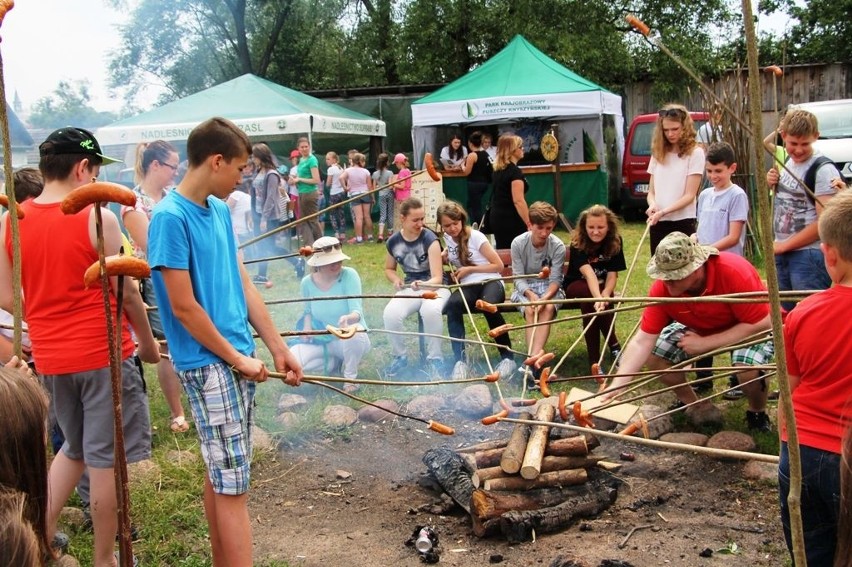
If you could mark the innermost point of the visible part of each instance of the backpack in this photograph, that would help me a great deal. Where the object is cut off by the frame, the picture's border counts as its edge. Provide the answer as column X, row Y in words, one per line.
column 810, row 175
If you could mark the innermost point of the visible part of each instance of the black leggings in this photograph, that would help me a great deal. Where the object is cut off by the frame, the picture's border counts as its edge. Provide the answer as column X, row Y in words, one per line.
column 492, row 292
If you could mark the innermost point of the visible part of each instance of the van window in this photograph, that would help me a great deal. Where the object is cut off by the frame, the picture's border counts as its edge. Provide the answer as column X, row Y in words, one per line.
column 641, row 144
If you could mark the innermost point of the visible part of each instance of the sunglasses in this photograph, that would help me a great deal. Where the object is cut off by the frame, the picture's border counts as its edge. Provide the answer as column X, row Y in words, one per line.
column 327, row 249
column 672, row 113
column 170, row 166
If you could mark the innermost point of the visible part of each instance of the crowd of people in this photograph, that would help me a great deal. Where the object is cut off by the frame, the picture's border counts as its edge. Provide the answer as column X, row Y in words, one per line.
column 202, row 301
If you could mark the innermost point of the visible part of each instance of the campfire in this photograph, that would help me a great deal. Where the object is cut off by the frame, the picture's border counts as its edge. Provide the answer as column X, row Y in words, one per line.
column 533, row 482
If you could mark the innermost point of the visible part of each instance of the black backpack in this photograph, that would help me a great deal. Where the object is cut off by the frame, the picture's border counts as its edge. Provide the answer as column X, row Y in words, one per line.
column 811, row 173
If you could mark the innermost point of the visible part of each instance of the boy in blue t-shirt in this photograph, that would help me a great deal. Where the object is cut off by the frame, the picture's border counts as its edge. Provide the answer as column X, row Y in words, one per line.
column 207, row 301
column 722, row 212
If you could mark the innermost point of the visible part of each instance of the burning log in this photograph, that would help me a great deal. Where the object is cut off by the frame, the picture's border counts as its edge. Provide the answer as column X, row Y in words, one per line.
column 531, row 466
column 577, row 446
column 568, row 477
column 548, row 464
column 513, row 455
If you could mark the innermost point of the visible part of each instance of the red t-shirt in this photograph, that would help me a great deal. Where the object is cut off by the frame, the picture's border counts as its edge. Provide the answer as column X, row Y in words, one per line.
column 726, row 273
column 816, row 337
column 66, row 321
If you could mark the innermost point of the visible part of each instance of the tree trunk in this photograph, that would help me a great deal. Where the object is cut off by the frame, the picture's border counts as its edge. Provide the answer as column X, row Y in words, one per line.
column 531, row 467
column 548, row 464
column 565, row 447
column 568, row 477
column 510, row 462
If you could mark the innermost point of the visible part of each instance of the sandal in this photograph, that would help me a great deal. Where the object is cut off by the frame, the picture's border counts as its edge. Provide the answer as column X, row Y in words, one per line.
column 350, row 388
column 179, row 424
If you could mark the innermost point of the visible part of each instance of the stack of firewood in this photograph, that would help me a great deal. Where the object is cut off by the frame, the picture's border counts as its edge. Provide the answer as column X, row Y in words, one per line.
column 534, row 483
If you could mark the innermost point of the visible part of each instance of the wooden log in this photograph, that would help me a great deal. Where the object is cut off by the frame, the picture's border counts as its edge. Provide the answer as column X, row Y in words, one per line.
column 568, row 477
column 531, row 466
column 513, row 455
column 548, row 464
column 485, row 505
column 496, row 444
column 591, row 499
column 564, row 447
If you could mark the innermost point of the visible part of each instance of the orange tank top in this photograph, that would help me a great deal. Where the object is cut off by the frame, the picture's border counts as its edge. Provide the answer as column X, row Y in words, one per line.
column 66, row 321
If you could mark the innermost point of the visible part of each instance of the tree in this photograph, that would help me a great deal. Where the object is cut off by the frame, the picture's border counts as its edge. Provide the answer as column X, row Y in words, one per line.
column 69, row 104
column 822, row 32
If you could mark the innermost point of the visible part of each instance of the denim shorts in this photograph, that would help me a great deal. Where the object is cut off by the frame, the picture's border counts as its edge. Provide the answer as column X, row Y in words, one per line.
column 361, row 200
column 667, row 349
column 222, row 407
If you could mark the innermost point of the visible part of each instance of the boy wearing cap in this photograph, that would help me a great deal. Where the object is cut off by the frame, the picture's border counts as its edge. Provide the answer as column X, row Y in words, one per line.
column 821, row 386
column 673, row 332
column 207, row 301
column 76, row 365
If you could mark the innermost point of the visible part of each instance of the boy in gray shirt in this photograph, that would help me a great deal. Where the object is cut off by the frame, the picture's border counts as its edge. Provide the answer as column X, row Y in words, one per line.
column 723, row 207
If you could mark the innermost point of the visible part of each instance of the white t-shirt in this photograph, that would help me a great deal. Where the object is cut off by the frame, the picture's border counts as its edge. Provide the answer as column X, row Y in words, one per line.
column 670, row 181
column 477, row 239
column 447, row 161
column 333, row 180
column 7, row 319
column 242, row 206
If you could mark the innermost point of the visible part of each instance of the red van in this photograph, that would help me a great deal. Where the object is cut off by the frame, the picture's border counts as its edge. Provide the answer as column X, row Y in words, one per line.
column 637, row 156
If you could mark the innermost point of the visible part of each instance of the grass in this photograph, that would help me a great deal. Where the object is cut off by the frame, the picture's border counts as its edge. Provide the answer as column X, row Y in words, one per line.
column 168, row 505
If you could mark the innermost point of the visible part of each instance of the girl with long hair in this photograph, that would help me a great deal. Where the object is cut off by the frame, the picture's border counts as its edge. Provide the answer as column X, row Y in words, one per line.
column 265, row 186
column 454, row 154
column 477, row 167
column 509, row 214
column 357, row 182
column 477, row 265
column 416, row 250
column 382, row 176
column 676, row 168
column 307, row 179
column 336, row 193
column 156, row 166
column 595, row 257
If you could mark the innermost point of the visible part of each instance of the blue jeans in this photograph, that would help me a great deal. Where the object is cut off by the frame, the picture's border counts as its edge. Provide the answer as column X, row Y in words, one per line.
column 800, row 270
column 820, row 501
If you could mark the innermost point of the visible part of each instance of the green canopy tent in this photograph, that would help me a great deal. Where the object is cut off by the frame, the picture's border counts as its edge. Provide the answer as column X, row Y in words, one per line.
column 264, row 110
column 522, row 90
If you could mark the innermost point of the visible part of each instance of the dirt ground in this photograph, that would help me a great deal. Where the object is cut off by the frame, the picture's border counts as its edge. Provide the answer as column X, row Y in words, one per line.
column 303, row 513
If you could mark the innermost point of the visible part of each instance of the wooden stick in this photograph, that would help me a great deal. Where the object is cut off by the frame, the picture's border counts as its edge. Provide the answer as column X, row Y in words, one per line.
column 719, row 453
column 313, row 378
column 548, row 464
column 513, row 455
column 425, row 295
column 531, row 466
column 568, row 477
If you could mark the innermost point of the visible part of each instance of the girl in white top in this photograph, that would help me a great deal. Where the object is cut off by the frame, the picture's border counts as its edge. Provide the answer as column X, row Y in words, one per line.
column 676, row 168
column 336, row 193
column 474, row 261
column 356, row 180
column 454, row 154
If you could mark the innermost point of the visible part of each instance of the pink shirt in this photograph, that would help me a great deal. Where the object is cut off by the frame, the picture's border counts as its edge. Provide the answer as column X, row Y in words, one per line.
column 403, row 177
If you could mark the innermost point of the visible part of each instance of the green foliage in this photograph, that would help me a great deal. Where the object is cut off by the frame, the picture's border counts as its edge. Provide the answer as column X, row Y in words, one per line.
column 70, row 103
column 822, row 32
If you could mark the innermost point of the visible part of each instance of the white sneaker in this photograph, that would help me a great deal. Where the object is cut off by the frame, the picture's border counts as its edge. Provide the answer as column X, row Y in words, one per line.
column 506, row 368
column 460, row 371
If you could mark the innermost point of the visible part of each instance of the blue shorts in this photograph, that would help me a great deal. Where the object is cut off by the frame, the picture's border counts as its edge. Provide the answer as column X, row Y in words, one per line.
column 222, row 407
column 667, row 349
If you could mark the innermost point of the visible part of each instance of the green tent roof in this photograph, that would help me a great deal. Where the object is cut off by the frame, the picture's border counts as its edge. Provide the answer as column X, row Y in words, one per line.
column 499, row 76
column 258, row 106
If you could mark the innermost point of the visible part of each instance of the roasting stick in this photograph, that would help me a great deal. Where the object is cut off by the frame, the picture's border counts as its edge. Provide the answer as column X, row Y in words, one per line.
column 425, row 295
column 527, row 370
column 614, row 315
column 709, row 451
column 542, row 275
column 316, row 378
column 74, row 202
column 304, row 251
column 429, row 168
column 431, row 424
column 14, row 211
column 484, row 351
column 768, row 367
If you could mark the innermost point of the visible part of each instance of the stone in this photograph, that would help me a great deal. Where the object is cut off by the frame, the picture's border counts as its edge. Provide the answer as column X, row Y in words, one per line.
column 686, row 438
column 732, row 441
column 659, row 426
column 704, row 414
column 287, row 419
column 261, row 440
column 426, row 404
column 291, row 402
column 474, row 401
column 339, row 416
column 762, row 471
column 372, row 414
column 143, row 471
column 341, row 474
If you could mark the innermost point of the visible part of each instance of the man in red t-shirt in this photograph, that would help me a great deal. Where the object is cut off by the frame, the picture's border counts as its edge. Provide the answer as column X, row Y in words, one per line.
column 673, row 332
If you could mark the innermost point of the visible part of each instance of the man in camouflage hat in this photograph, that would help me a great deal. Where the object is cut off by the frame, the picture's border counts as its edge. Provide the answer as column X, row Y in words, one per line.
column 673, row 332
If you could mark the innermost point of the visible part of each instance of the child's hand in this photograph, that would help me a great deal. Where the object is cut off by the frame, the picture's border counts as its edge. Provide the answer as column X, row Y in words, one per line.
column 251, row 369
column 286, row 362
column 838, row 184
column 772, row 177
column 148, row 350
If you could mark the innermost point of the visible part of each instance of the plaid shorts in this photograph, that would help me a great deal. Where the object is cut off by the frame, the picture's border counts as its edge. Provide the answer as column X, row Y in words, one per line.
column 754, row 355
column 222, row 407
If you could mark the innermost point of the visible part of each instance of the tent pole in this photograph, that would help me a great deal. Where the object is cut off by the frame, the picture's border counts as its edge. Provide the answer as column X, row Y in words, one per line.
column 557, row 182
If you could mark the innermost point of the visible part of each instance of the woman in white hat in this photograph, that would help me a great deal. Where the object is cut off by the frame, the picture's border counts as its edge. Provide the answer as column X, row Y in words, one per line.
column 328, row 277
